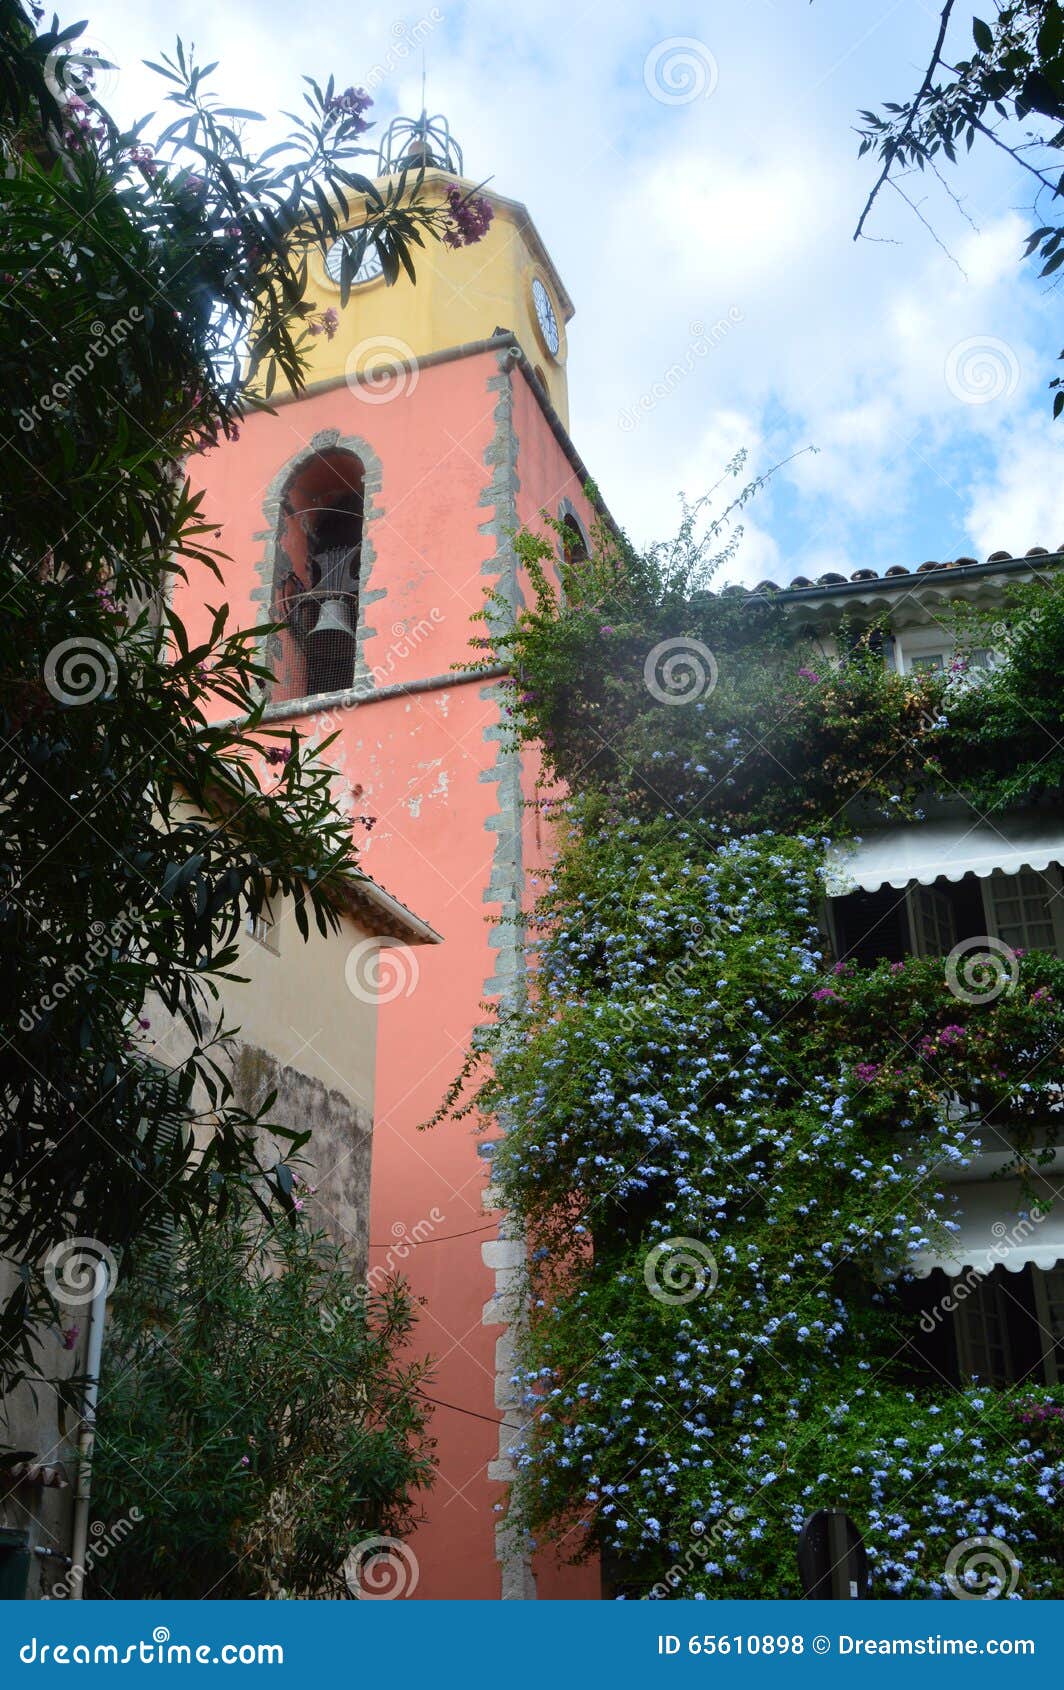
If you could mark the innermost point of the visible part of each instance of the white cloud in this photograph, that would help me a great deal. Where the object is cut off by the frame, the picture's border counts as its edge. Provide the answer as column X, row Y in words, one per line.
column 663, row 218
column 1021, row 503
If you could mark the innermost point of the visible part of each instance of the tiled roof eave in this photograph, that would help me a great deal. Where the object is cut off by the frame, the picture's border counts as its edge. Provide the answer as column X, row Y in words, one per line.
column 945, row 582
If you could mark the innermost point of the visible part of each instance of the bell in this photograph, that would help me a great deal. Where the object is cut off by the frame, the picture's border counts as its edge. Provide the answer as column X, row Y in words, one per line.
column 333, row 568
column 334, row 618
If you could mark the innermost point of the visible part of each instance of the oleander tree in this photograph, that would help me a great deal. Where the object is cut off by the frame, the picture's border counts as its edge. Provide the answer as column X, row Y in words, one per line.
column 155, row 287
column 260, row 1433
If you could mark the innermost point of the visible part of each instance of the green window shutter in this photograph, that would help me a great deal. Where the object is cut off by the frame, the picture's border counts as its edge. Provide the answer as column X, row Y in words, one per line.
column 14, row 1564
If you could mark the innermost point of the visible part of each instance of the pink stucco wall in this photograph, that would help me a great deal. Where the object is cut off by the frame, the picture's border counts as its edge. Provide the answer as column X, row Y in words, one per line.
column 460, row 454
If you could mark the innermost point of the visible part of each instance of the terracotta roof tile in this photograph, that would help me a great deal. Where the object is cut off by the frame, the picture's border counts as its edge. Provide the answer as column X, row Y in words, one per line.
column 832, row 578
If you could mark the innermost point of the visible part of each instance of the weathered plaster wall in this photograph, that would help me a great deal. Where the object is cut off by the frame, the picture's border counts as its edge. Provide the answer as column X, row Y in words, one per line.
column 301, row 1031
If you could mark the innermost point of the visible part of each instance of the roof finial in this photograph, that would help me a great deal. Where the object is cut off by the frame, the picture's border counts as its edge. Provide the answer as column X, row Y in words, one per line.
column 423, row 141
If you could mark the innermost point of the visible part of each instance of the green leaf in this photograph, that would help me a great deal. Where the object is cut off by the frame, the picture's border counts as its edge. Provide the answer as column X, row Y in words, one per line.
column 984, row 35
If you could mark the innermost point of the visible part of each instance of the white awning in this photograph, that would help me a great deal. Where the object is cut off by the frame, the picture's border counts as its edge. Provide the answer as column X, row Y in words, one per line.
column 928, row 851
column 1003, row 1224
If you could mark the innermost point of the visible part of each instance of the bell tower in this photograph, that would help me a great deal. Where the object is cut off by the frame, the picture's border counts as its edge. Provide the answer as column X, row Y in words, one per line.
column 365, row 518
column 506, row 280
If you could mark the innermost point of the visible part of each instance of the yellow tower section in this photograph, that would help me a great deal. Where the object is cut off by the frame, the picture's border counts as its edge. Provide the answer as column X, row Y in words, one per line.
column 506, row 280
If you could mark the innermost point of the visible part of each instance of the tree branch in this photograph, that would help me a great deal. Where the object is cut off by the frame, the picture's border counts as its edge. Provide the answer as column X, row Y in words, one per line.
column 915, row 209
column 895, row 147
column 1015, row 154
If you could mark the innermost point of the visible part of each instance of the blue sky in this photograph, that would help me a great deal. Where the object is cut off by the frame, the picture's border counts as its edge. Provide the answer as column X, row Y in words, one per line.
column 693, row 170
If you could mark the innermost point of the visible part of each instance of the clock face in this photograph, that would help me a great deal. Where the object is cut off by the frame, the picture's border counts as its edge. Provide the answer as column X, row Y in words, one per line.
column 545, row 317
column 368, row 270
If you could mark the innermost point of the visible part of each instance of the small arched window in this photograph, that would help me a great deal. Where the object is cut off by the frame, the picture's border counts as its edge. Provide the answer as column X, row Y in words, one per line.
column 319, row 558
column 574, row 543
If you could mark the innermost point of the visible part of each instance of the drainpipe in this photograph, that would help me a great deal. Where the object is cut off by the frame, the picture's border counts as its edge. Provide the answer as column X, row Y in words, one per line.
column 87, row 1432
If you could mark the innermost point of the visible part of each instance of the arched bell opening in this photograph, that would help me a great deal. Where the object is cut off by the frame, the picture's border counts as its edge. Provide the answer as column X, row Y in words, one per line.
column 319, row 559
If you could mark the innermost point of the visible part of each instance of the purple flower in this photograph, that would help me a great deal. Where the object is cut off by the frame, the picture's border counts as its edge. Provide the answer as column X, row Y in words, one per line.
column 351, row 105
column 144, row 156
column 808, row 674
column 470, row 218
column 824, row 992
column 327, row 324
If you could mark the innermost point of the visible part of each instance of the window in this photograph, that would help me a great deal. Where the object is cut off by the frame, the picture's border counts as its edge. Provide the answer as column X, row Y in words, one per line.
column 1026, row 910
column 318, row 561
column 1010, row 1326
column 889, row 925
column 1049, row 1305
column 574, row 544
column 263, row 929
column 933, row 926
column 981, row 1328
column 922, row 651
column 870, row 927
